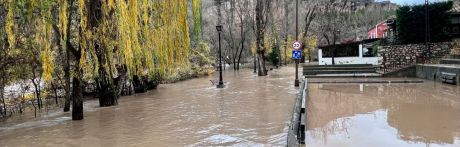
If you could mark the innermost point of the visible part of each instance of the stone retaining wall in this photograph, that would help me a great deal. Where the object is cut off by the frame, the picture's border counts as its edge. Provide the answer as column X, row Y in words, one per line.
column 456, row 47
column 406, row 55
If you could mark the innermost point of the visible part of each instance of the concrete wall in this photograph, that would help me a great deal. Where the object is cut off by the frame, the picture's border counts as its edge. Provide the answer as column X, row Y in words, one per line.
column 434, row 72
column 350, row 60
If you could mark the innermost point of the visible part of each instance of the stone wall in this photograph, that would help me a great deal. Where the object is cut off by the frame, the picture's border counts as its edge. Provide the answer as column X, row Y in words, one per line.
column 399, row 56
column 455, row 47
column 407, row 72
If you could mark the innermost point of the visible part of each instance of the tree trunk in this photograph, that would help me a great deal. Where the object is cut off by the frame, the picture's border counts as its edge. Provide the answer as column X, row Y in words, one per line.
column 3, row 98
column 108, row 95
column 285, row 53
column 259, row 68
column 279, row 53
column 67, row 59
column 286, row 31
column 37, row 88
column 140, row 86
column 260, row 23
column 255, row 64
column 311, row 14
column 55, row 92
column 234, row 63
column 77, row 98
column 106, row 84
column 243, row 38
column 67, row 80
column 262, row 70
column 35, row 108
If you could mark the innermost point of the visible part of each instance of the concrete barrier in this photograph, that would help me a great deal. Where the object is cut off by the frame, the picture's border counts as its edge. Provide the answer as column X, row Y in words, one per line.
column 296, row 133
column 435, row 72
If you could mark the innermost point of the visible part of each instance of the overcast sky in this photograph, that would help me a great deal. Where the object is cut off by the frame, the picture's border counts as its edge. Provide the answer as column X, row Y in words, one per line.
column 410, row 2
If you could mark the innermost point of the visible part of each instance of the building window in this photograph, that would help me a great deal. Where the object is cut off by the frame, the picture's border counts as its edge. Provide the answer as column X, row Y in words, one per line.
column 368, row 52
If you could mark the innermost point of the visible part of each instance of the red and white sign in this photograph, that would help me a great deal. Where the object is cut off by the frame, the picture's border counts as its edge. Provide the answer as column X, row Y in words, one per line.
column 296, row 45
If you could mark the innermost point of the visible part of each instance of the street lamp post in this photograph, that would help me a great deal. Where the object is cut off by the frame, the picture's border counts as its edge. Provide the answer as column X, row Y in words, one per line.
column 296, row 82
column 221, row 82
column 427, row 30
column 334, row 51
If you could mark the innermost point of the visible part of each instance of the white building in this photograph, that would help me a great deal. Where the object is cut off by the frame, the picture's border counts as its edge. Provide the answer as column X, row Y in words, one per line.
column 350, row 53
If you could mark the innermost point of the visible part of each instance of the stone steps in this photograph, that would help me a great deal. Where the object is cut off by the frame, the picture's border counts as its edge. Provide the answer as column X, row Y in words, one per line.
column 454, row 56
column 340, row 65
column 340, row 70
column 450, row 61
column 357, row 75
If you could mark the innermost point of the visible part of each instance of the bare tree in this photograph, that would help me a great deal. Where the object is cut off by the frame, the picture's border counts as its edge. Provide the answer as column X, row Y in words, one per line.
column 262, row 10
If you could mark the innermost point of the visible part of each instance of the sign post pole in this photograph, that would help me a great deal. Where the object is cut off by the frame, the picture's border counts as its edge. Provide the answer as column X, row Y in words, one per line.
column 296, row 82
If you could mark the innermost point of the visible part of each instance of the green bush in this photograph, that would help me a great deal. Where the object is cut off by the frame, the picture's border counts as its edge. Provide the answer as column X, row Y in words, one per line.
column 410, row 23
column 274, row 56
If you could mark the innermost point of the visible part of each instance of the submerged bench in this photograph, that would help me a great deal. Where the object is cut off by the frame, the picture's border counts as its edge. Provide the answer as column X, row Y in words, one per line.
column 449, row 78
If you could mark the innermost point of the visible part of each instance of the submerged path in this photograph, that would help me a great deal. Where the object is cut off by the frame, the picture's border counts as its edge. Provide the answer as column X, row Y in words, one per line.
column 383, row 114
column 250, row 111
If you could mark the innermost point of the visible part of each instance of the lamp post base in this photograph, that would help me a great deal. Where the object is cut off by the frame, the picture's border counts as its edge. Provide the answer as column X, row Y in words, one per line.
column 220, row 86
column 296, row 83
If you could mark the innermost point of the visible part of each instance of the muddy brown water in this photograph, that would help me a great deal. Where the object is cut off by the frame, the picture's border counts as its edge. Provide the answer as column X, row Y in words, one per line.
column 383, row 115
column 250, row 111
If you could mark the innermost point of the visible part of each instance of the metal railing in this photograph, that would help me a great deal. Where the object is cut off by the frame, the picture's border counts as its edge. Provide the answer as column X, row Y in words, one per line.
column 296, row 133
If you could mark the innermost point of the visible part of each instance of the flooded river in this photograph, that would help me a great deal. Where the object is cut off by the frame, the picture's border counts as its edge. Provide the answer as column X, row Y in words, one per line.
column 250, row 111
column 383, row 115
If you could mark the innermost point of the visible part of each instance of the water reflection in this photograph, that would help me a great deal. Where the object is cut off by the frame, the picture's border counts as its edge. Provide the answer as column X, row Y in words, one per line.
column 426, row 114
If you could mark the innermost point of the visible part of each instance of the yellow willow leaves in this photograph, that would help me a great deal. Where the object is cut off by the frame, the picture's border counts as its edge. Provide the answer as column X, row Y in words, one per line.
column 88, row 61
column 134, row 23
column 145, row 40
column 310, row 42
column 171, row 35
column 110, row 4
column 268, row 43
column 254, row 47
column 185, row 33
column 83, row 33
column 43, row 40
column 9, row 27
column 145, row 36
column 197, row 18
column 105, row 36
column 124, row 30
column 63, row 19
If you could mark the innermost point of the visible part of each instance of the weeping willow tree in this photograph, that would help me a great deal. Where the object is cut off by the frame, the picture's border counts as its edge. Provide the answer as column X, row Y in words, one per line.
column 151, row 40
column 28, row 31
column 104, row 42
column 197, row 9
column 173, row 46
